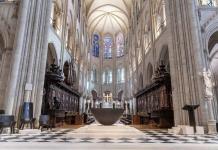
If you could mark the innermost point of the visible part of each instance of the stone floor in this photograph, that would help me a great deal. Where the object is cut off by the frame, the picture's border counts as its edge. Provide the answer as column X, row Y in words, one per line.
column 106, row 137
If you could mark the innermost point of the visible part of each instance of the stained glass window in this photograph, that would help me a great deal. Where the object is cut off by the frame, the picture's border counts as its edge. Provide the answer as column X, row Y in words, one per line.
column 107, row 76
column 108, row 41
column 95, row 50
column 94, row 75
column 120, row 75
column 120, row 45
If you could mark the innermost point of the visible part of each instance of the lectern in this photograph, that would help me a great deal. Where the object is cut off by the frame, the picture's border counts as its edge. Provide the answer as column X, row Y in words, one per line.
column 27, row 115
column 191, row 114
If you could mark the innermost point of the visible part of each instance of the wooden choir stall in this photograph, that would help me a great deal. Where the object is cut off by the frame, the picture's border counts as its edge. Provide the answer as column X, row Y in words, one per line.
column 154, row 103
column 60, row 101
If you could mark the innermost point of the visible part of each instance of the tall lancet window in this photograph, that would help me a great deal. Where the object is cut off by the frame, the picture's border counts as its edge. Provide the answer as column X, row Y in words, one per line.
column 95, row 50
column 120, row 75
column 107, row 76
column 120, row 45
column 94, row 75
column 108, row 42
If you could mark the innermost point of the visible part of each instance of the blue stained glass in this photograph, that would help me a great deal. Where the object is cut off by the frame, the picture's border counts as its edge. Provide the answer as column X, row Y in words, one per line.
column 108, row 47
column 95, row 50
column 120, row 45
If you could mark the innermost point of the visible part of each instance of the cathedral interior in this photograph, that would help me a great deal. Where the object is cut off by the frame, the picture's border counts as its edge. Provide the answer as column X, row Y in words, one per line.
column 112, row 74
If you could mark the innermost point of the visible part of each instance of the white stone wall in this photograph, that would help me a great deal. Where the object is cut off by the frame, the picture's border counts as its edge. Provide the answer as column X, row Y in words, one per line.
column 186, row 46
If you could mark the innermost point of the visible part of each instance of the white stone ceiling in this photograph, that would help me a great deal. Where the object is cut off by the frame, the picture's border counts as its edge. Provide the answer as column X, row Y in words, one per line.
column 108, row 16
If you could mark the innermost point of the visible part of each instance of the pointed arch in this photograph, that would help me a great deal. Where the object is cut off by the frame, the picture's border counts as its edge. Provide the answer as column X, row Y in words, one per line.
column 164, row 57
column 149, row 73
column 141, row 81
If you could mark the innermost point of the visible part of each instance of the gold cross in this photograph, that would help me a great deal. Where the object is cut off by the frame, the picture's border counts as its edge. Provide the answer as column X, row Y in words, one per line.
column 108, row 97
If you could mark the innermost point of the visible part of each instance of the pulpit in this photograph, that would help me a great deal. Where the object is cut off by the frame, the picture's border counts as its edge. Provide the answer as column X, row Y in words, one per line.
column 191, row 114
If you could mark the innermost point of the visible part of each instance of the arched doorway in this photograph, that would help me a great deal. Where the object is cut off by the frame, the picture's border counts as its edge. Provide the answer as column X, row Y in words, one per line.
column 94, row 95
column 51, row 56
column 66, row 71
column 120, row 96
column 51, row 59
column 149, row 73
column 94, row 98
column 164, row 57
column 141, row 81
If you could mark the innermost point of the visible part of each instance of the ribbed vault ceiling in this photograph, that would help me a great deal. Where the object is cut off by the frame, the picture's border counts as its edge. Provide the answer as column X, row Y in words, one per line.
column 108, row 16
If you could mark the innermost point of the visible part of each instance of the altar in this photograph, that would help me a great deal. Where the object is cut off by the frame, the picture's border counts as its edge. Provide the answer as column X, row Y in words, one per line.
column 107, row 111
column 107, row 116
column 107, row 102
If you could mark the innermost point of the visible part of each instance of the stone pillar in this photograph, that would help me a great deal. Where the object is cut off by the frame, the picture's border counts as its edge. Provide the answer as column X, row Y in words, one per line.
column 209, row 96
column 185, row 59
column 43, row 60
column 211, row 121
column 134, row 106
column 17, row 56
column 5, row 70
column 33, row 50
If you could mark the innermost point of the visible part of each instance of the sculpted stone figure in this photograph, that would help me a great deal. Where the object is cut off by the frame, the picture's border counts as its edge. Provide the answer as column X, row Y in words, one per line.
column 208, row 84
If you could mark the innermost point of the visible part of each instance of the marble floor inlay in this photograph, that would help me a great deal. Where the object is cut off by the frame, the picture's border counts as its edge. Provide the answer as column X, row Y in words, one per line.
column 109, row 134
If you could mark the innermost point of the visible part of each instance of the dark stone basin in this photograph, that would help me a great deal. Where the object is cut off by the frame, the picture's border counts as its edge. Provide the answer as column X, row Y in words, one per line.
column 107, row 116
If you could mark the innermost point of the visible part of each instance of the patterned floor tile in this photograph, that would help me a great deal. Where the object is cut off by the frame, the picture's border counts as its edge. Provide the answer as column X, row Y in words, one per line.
column 151, row 136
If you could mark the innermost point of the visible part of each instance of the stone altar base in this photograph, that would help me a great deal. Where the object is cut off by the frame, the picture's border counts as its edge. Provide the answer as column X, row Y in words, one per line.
column 212, row 127
column 29, row 131
column 186, row 130
column 100, row 131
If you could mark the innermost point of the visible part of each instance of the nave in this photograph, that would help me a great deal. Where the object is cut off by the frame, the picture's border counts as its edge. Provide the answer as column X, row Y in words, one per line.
column 152, row 64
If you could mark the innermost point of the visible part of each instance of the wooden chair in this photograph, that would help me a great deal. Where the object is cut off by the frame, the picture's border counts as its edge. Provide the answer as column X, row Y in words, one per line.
column 44, row 122
column 7, row 121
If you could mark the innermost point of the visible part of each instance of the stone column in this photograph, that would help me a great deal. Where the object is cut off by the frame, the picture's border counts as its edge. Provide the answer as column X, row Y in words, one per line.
column 101, row 64
column 42, row 65
column 134, row 106
column 211, row 123
column 5, row 70
column 30, row 69
column 185, row 59
column 17, row 56
column 36, row 70
column 209, row 96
